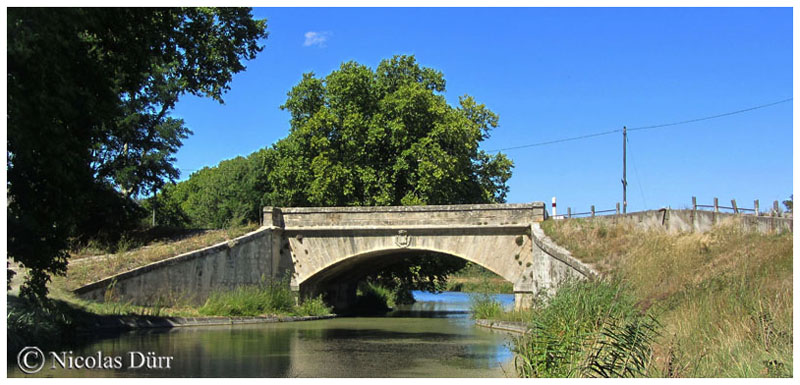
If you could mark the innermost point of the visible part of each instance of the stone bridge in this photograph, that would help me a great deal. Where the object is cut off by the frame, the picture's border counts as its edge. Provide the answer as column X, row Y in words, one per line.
column 328, row 250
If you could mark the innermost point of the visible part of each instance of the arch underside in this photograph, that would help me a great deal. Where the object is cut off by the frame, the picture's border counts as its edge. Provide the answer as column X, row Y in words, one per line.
column 356, row 268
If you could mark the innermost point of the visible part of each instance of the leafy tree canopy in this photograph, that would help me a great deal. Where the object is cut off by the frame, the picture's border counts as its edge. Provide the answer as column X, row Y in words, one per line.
column 384, row 137
column 89, row 95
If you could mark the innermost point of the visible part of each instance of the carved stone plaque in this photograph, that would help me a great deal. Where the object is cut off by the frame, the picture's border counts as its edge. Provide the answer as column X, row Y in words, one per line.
column 402, row 238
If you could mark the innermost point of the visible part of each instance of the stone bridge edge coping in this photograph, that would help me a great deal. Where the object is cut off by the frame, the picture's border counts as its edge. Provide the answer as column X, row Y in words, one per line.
column 543, row 242
column 189, row 255
column 401, row 209
column 382, row 231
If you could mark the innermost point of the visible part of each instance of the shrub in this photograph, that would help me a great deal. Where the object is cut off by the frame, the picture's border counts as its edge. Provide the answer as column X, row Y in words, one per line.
column 484, row 306
column 375, row 296
column 587, row 329
column 313, row 306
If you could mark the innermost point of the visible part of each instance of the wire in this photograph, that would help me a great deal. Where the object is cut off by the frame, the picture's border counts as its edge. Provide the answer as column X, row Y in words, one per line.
column 709, row 117
column 643, row 127
column 557, row 141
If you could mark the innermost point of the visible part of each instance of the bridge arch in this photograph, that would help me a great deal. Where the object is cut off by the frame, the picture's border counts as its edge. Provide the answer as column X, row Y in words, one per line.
column 321, row 241
column 338, row 280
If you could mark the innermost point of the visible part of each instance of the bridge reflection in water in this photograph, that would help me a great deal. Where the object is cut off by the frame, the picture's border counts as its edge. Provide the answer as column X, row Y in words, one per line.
column 433, row 338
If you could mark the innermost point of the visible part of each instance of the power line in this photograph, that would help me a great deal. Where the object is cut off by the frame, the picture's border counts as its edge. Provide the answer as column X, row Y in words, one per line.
column 642, row 127
column 710, row 117
column 556, row 141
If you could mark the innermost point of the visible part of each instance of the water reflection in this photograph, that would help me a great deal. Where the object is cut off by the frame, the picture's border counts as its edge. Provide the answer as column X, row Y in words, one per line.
column 432, row 338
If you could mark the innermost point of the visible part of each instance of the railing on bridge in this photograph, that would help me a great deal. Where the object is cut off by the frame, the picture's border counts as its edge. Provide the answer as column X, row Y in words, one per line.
column 716, row 207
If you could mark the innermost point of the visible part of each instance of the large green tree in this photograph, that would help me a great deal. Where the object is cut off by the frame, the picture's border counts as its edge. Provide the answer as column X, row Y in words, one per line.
column 89, row 96
column 384, row 137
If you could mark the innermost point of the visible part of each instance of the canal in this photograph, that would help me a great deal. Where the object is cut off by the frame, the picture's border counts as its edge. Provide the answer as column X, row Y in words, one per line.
column 434, row 337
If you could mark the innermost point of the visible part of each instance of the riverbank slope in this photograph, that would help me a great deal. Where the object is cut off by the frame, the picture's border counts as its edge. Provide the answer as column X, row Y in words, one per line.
column 723, row 298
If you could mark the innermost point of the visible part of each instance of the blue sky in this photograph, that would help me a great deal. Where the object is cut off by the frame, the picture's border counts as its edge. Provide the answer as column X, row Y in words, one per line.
column 553, row 73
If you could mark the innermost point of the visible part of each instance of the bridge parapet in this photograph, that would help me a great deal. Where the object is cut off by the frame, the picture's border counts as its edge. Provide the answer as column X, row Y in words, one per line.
column 425, row 216
column 327, row 250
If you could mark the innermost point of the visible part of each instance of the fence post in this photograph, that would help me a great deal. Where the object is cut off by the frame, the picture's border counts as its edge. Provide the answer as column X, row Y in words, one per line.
column 716, row 205
column 592, row 211
column 569, row 212
column 755, row 205
column 618, row 208
column 694, row 212
column 694, row 203
column 775, row 208
column 735, row 209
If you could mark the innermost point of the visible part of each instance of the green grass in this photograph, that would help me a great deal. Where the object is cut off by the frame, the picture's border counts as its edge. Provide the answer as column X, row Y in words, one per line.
column 483, row 306
column 313, row 307
column 587, row 329
column 134, row 252
column 274, row 298
column 373, row 296
column 724, row 297
column 47, row 325
column 476, row 279
column 267, row 299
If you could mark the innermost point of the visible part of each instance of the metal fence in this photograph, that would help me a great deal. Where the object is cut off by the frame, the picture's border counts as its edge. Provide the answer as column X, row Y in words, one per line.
column 716, row 207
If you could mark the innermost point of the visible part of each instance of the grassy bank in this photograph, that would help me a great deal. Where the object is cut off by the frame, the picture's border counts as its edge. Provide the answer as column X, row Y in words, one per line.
column 723, row 298
column 587, row 329
column 54, row 323
column 134, row 252
column 273, row 298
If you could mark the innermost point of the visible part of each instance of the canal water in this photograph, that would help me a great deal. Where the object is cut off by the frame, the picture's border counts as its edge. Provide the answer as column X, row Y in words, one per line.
column 434, row 337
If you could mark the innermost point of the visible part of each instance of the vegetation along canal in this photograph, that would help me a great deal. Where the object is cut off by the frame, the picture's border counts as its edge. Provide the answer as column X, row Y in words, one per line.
column 434, row 337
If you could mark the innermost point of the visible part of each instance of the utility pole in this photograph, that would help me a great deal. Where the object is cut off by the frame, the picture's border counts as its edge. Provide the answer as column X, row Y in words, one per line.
column 624, row 169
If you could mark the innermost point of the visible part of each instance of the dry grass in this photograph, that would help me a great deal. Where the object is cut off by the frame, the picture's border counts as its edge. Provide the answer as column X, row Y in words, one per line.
column 724, row 297
column 90, row 269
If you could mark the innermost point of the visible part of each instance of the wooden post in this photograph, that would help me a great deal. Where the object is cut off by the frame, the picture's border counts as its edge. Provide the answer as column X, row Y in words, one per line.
column 694, row 213
column 755, row 207
column 775, row 208
column 617, row 208
column 694, row 203
column 569, row 212
column 592, row 211
column 716, row 205
column 733, row 204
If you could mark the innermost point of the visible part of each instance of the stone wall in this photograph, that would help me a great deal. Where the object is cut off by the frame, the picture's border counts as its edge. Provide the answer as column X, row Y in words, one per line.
column 553, row 265
column 687, row 220
column 192, row 276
